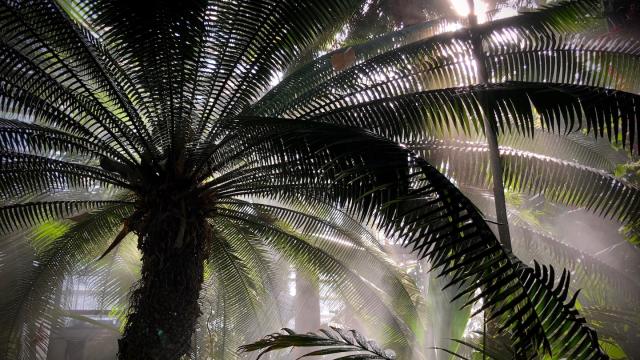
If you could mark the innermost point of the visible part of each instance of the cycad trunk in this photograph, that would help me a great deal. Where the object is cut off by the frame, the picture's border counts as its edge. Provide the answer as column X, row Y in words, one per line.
column 164, row 306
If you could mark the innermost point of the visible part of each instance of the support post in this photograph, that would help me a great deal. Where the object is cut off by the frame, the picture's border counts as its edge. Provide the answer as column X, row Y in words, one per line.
column 491, row 131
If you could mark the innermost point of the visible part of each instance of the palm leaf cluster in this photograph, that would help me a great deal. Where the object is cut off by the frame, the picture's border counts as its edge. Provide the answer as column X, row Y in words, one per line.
column 157, row 122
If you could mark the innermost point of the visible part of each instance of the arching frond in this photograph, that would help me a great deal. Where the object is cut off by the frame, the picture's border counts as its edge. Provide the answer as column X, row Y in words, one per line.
column 304, row 255
column 38, row 140
column 561, row 108
column 23, row 174
column 218, row 63
column 42, row 33
column 321, row 70
column 564, row 16
column 576, row 147
column 58, row 254
column 279, row 156
column 38, row 78
column 114, row 276
column 249, row 300
column 466, row 259
column 617, row 324
column 424, row 210
column 521, row 55
column 598, row 282
column 436, row 62
column 346, row 241
column 15, row 217
column 58, row 115
column 560, row 181
column 348, row 345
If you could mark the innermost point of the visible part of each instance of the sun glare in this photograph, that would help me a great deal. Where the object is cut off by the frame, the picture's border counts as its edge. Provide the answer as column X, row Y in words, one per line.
column 461, row 7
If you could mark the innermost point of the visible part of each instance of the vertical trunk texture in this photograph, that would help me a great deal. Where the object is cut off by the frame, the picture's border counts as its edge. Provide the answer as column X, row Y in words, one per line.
column 164, row 305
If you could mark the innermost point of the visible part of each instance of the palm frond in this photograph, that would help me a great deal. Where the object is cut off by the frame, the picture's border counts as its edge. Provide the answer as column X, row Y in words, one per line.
column 473, row 261
column 576, row 147
column 56, row 115
column 250, row 303
column 553, row 309
column 24, row 174
column 217, row 75
column 45, row 24
column 343, row 239
column 321, row 70
column 519, row 55
column 33, row 64
column 324, row 160
column 562, row 108
column 483, row 343
column 600, row 283
column 57, row 256
column 439, row 61
column 114, row 276
column 569, row 16
column 540, row 276
column 347, row 345
column 30, row 214
column 423, row 216
column 560, row 181
column 623, row 326
column 38, row 140
column 154, row 92
column 301, row 252
column 16, row 261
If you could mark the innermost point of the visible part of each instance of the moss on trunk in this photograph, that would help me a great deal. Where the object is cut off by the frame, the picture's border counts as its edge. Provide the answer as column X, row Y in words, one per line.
column 164, row 304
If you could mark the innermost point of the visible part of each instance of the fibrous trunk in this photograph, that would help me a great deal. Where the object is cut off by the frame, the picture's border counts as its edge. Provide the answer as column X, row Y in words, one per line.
column 164, row 305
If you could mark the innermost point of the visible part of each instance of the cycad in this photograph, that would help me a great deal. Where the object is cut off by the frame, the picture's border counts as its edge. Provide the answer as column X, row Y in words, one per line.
column 160, row 111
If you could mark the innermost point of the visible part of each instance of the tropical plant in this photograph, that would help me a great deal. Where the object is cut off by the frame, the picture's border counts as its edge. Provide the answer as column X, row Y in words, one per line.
column 349, row 345
column 157, row 119
column 575, row 170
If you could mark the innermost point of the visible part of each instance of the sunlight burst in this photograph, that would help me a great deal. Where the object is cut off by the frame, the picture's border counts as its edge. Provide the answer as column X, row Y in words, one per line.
column 461, row 7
